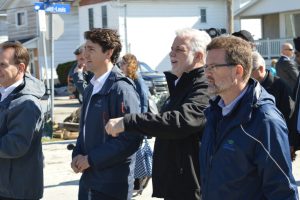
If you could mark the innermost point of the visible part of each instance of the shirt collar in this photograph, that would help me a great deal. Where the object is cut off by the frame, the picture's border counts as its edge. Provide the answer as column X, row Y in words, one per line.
column 227, row 109
column 99, row 82
column 6, row 91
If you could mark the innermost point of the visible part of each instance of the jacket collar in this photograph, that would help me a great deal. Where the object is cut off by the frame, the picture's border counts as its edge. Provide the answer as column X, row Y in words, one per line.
column 268, row 80
column 243, row 109
column 186, row 77
column 114, row 76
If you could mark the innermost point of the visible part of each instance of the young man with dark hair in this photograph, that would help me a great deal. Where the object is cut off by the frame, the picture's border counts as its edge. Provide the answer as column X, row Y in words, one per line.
column 21, row 122
column 106, row 163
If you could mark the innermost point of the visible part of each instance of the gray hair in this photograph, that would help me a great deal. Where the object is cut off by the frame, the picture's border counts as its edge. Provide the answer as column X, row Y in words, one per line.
column 198, row 39
column 258, row 60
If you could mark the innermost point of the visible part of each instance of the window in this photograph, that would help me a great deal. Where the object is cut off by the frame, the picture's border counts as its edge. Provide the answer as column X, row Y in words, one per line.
column 20, row 18
column 104, row 16
column 203, row 15
column 292, row 28
column 91, row 18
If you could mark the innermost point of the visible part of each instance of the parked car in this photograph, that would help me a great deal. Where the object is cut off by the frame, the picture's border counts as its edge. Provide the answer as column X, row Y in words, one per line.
column 156, row 81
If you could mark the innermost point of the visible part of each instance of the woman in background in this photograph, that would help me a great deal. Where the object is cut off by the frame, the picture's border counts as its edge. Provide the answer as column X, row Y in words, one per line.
column 129, row 66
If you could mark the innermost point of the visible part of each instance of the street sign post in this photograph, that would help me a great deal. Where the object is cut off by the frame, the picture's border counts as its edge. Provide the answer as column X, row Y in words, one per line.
column 52, row 7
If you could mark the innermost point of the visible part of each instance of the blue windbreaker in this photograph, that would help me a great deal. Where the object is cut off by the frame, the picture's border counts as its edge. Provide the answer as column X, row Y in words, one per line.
column 245, row 154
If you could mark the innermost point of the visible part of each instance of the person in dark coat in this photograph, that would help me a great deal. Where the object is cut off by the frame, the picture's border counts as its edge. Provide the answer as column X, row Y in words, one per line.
column 285, row 67
column 244, row 152
column 21, row 125
column 106, row 163
column 276, row 87
column 179, row 125
column 273, row 84
column 295, row 118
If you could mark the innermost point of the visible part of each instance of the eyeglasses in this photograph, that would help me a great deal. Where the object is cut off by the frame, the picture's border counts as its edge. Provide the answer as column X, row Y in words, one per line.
column 212, row 67
column 289, row 49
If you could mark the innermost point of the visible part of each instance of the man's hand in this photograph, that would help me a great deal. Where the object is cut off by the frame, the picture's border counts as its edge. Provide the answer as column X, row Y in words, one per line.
column 73, row 165
column 82, row 163
column 115, row 126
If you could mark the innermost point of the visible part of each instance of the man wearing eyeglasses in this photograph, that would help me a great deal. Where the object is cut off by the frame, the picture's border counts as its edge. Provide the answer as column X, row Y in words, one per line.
column 180, row 123
column 244, row 151
column 285, row 67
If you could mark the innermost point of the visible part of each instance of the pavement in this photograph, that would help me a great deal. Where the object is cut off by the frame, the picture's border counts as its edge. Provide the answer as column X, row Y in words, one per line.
column 61, row 183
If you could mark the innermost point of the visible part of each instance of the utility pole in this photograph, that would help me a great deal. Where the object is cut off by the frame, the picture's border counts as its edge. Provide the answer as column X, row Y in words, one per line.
column 229, row 16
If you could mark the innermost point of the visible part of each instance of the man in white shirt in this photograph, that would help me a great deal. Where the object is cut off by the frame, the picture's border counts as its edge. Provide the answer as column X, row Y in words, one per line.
column 106, row 163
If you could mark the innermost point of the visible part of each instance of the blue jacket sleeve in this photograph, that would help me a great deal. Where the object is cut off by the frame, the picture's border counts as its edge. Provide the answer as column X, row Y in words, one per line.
column 119, row 149
column 20, row 129
column 273, row 160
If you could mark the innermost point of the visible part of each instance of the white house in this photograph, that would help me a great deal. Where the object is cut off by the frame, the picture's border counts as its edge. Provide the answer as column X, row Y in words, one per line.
column 22, row 24
column 147, row 27
column 280, row 22
column 279, row 19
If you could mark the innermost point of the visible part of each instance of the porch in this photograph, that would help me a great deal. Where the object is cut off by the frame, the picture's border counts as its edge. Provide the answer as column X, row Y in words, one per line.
column 270, row 48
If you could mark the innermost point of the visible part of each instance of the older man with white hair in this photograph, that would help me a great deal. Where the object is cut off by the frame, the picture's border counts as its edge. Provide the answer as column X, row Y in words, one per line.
column 275, row 86
column 179, row 125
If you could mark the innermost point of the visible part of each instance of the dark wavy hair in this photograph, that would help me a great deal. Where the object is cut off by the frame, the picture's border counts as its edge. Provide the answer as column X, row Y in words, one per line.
column 132, row 65
column 107, row 39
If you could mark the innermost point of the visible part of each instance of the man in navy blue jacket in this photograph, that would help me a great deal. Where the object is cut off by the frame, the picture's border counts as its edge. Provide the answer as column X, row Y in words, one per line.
column 245, row 151
column 106, row 163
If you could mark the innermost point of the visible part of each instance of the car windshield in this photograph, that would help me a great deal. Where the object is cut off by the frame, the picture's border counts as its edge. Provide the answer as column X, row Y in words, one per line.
column 144, row 68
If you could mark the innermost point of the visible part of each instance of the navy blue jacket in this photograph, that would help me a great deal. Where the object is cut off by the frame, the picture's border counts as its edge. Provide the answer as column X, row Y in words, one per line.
column 246, row 154
column 21, row 157
column 111, row 159
column 143, row 91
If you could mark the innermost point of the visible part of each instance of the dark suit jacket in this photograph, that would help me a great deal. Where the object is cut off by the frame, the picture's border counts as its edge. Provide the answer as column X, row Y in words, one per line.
column 287, row 71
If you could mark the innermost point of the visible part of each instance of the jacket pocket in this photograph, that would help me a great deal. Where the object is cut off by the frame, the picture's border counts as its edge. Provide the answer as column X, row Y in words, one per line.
column 5, row 169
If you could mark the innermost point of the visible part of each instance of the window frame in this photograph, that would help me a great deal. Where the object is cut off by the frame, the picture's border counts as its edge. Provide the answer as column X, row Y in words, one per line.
column 104, row 16
column 18, row 13
column 203, row 16
column 91, row 21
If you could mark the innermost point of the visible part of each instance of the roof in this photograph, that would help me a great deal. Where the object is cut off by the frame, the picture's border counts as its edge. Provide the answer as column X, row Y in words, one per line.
column 264, row 7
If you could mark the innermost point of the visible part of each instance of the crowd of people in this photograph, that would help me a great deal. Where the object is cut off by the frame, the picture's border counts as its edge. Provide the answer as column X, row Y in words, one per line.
column 228, row 130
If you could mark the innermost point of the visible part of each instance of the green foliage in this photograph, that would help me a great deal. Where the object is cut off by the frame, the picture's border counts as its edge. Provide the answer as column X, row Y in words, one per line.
column 62, row 71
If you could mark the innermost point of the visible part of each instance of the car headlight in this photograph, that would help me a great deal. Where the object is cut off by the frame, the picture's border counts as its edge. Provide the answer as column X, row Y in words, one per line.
column 149, row 83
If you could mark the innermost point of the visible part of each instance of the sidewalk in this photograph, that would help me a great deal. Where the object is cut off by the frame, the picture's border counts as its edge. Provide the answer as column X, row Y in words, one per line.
column 61, row 183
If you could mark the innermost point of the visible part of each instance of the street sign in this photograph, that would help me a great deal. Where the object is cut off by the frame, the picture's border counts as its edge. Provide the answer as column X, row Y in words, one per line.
column 53, row 7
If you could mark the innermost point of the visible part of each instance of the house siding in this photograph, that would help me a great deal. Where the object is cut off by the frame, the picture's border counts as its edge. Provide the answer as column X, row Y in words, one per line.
column 29, row 30
column 270, row 26
column 65, row 45
column 150, row 26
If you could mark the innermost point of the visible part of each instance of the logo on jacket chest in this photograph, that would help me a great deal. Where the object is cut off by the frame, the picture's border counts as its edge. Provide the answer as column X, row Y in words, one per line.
column 229, row 144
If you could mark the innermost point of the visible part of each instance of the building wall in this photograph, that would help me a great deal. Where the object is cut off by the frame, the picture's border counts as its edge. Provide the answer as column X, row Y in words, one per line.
column 65, row 45
column 270, row 26
column 263, row 7
column 29, row 30
column 147, row 29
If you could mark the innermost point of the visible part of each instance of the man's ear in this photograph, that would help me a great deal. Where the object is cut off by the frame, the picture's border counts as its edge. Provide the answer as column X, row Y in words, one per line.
column 109, row 53
column 198, row 56
column 22, row 68
column 239, row 71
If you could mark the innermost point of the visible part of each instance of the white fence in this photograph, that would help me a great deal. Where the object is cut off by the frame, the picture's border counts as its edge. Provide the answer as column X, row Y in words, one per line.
column 270, row 48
